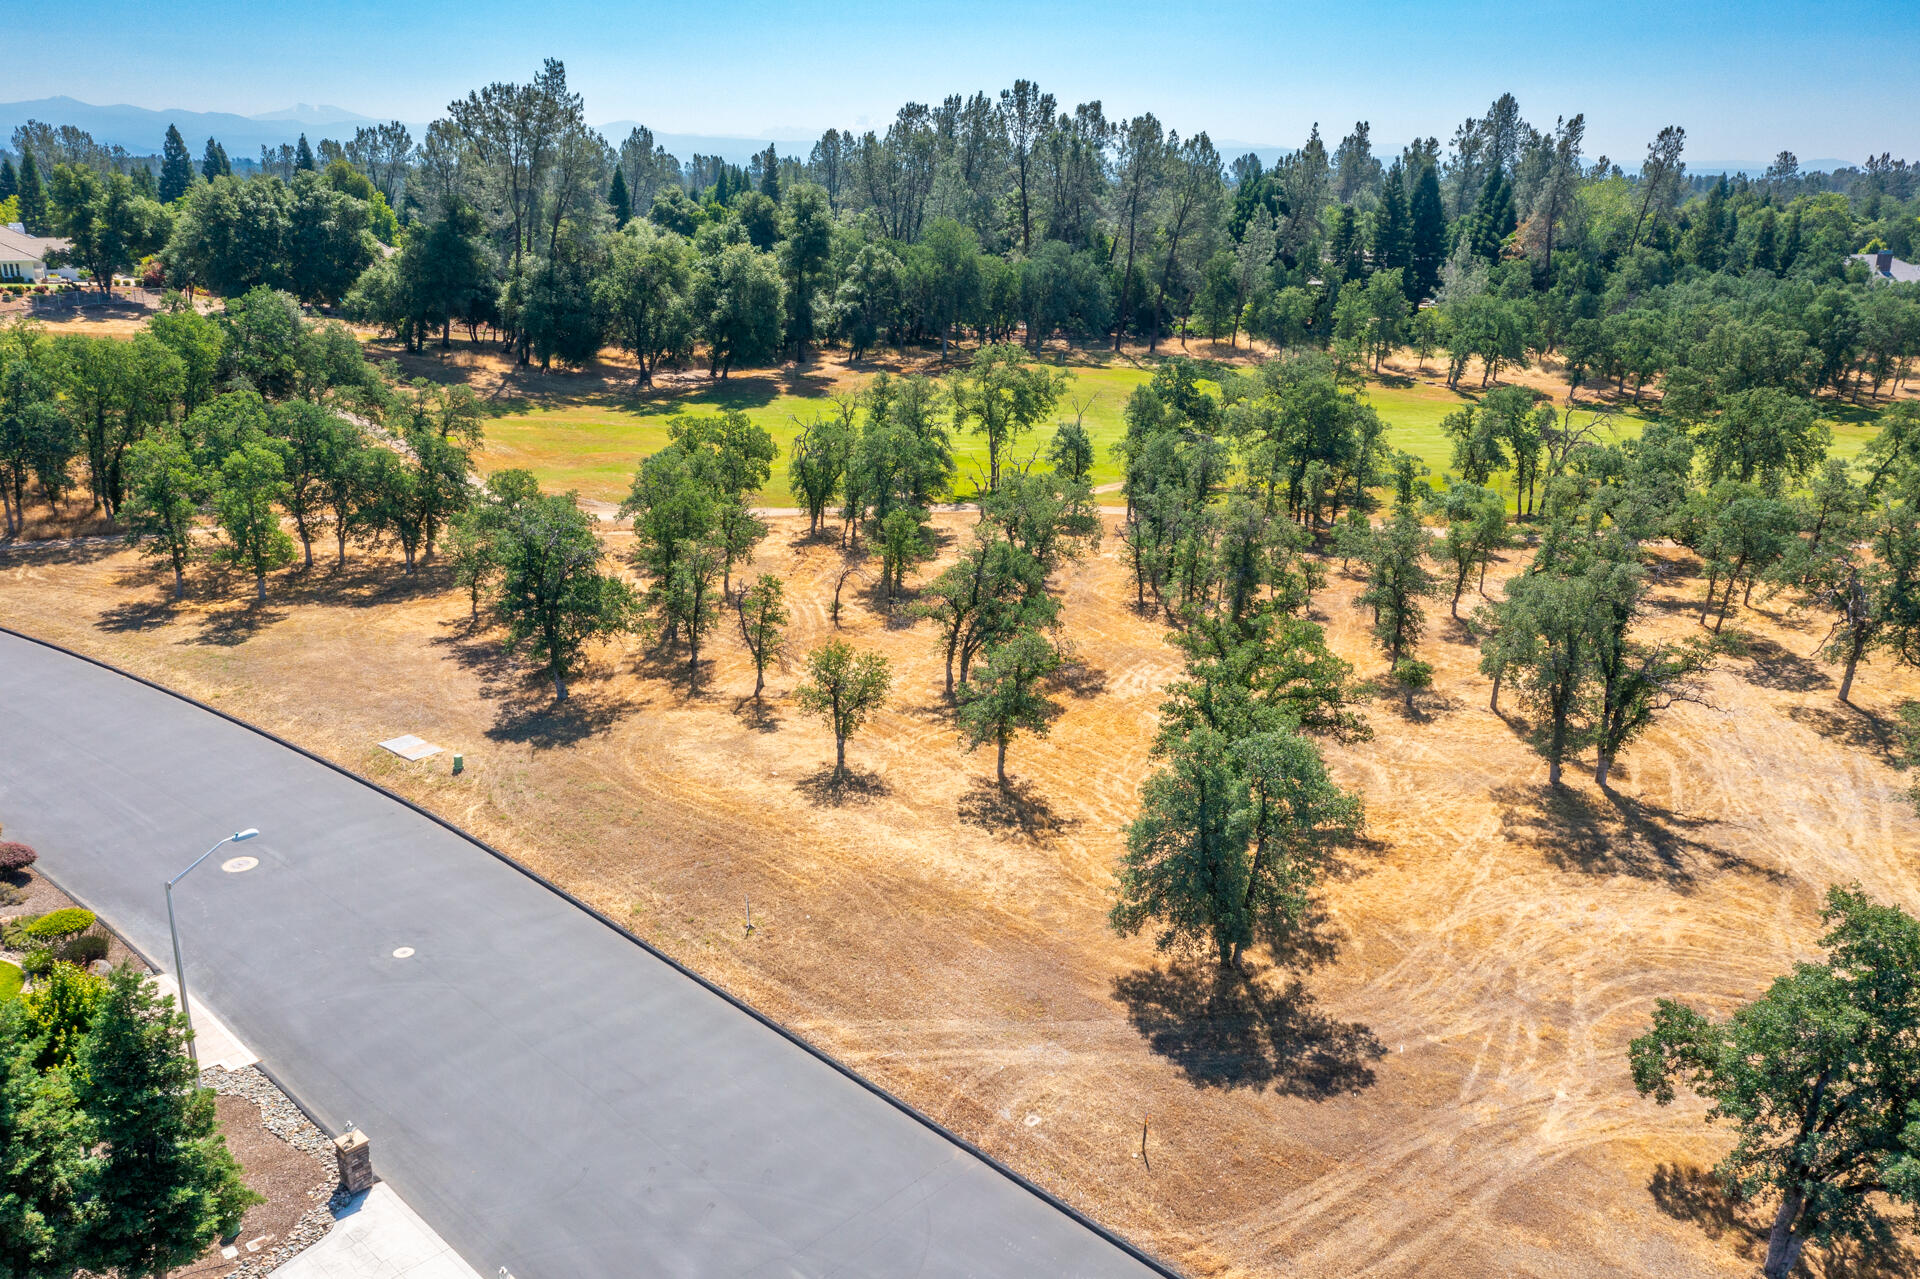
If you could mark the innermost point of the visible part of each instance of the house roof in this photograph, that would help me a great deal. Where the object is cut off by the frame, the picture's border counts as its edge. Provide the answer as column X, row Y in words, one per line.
column 1884, row 266
column 17, row 247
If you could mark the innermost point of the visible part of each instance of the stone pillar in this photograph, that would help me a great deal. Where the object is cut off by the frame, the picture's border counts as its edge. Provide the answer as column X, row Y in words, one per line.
column 355, row 1157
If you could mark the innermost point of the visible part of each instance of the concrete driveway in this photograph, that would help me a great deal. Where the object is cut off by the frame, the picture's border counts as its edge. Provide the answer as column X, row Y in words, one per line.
column 550, row 1096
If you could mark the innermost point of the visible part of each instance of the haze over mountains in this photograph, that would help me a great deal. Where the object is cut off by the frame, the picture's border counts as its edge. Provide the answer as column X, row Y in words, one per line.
column 140, row 130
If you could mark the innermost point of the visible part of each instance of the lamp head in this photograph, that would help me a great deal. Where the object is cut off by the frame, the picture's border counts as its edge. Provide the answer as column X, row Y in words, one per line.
column 245, row 835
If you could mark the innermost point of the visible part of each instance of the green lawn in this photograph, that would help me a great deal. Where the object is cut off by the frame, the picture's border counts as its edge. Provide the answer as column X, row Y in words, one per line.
column 10, row 980
column 593, row 445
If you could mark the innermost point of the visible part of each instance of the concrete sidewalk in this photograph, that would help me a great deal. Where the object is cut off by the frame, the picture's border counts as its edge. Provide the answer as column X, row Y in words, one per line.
column 376, row 1236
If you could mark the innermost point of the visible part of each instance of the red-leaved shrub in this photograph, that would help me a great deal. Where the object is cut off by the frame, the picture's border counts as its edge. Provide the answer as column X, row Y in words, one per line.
column 15, row 857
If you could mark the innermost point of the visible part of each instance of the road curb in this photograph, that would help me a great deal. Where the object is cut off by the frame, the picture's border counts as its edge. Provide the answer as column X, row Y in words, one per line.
column 1034, row 1188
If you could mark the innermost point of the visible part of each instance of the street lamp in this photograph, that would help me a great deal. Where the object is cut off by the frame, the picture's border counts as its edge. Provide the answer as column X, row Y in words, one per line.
column 179, row 970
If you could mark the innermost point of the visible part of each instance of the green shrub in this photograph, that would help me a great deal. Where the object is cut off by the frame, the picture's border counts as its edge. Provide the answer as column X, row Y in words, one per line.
column 38, row 963
column 84, row 949
column 58, row 925
column 60, row 1008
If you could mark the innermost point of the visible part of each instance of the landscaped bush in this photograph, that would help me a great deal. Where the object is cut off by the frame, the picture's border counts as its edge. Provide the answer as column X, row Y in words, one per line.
column 58, row 925
column 38, row 963
column 15, row 857
column 60, row 1008
column 84, row 949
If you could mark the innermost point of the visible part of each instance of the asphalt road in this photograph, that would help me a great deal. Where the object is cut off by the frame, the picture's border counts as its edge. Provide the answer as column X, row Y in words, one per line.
column 551, row 1097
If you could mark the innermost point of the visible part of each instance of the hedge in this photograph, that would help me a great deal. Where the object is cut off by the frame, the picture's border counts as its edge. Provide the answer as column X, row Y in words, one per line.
column 15, row 857
column 58, row 924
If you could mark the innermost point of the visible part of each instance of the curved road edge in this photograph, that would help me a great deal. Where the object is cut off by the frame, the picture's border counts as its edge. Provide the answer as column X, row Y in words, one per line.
column 1034, row 1188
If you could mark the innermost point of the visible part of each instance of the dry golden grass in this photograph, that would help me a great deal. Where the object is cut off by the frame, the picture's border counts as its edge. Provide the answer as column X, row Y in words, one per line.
column 1434, row 1085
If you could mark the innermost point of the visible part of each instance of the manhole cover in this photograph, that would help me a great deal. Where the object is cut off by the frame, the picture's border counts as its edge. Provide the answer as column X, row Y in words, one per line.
column 405, row 952
column 234, row 865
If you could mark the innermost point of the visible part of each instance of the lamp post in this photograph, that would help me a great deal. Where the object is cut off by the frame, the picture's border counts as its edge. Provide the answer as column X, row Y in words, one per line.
column 179, row 970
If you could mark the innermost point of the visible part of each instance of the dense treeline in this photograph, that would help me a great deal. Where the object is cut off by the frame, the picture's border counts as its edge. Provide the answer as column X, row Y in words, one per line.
column 257, row 417
column 1010, row 217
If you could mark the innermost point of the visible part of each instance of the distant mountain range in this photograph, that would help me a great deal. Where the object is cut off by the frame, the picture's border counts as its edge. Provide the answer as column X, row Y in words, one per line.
column 141, row 132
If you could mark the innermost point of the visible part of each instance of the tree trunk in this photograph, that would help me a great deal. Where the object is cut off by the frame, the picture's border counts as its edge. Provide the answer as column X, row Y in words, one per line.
column 559, row 685
column 839, row 756
column 1000, row 763
column 1783, row 1244
column 759, row 680
column 1846, row 681
column 180, row 592
column 1601, row 769
column 260, row 585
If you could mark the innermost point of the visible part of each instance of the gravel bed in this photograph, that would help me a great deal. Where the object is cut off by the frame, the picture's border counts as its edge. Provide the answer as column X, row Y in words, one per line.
column 284, row 1120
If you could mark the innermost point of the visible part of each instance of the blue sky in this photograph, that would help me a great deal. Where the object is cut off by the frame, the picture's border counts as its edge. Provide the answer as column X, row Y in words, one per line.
column 1746, row 80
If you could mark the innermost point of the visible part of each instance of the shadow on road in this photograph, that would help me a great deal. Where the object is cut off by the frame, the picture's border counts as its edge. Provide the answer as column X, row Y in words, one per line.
column 1227, row 1030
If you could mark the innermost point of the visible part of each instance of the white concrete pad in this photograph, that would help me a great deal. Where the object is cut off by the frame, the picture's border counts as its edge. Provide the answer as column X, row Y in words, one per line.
column 215, row 1044
column 410, row 747
column 376, row 1236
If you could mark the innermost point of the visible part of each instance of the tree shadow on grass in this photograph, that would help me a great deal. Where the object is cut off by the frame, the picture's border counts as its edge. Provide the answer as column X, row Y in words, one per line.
column 361, row 583
column 1079, row 679
column 533, row 718
column 1019, row 806
column 231, row 627
column 1851, row 726
column 524, row 707
column 1226, row 1030
column 78, row 550
column 757, row 715
column 1620, row 836
column 824, row 789
column 1777, row 667
column 136, row 615
column 1690, row 1193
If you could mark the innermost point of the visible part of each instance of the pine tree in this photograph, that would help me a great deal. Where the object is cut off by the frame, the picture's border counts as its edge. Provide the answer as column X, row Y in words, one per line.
column 176, row 167
column 303, row 157
column 9, row 180
column 622, row 203
column 33, row 196
column 214, row 162
column 1392, row 230
column 1493, row 216
column 166, row 1185
column 1427, row 233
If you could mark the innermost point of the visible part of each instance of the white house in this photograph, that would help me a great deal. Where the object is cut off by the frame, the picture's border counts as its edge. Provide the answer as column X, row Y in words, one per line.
column 23, row 257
